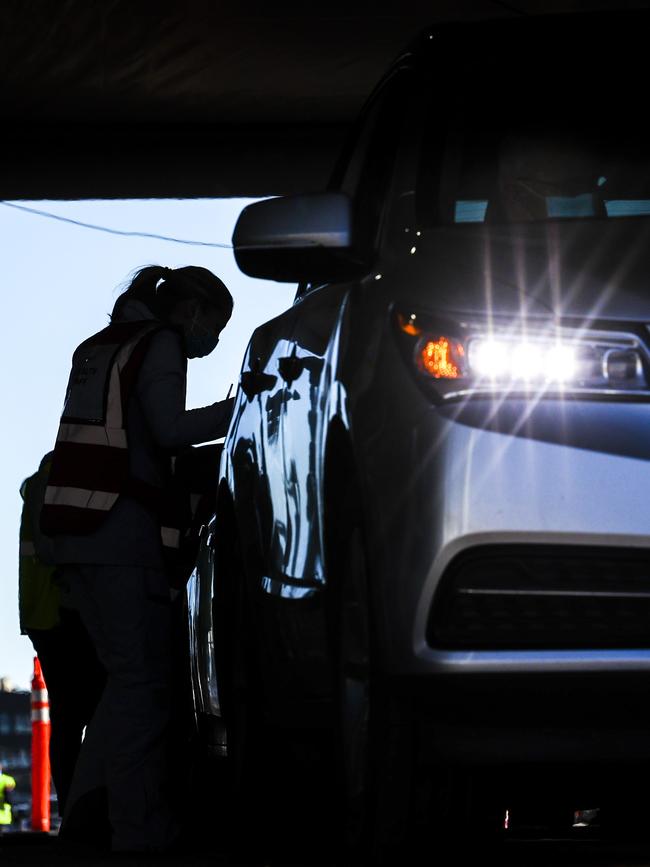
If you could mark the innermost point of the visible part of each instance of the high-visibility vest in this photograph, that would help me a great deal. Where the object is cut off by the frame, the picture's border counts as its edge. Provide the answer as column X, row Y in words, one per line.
column 90, row 465
column 7, row 784
column 38, row 595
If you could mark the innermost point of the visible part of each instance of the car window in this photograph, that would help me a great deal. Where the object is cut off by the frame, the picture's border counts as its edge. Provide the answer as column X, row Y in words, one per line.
column 573, row 145
column 527, row 174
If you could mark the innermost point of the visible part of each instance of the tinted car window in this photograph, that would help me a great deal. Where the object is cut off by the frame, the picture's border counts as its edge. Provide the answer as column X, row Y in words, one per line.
column 570, row 143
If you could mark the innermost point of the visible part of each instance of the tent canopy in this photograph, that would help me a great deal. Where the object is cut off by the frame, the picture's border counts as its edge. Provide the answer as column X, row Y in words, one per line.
column 156, row 98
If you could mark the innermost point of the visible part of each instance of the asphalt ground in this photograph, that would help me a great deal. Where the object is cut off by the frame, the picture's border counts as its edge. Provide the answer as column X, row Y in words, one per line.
column 26, row 849
column 217, row 835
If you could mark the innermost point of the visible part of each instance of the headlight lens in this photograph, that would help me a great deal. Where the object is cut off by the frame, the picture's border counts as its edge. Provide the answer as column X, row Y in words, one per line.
column 466, row 358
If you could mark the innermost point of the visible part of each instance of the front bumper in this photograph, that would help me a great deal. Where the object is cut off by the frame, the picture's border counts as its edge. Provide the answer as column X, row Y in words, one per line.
column 565, row 473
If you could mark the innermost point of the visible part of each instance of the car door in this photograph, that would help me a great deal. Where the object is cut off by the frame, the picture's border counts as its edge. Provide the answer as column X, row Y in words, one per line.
column 309, row 371
column 258, row 449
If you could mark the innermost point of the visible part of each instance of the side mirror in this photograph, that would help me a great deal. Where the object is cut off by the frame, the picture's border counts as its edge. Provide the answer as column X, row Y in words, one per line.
column 295, row 239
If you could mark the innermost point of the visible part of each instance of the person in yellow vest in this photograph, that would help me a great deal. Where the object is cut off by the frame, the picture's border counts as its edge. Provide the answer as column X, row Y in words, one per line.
column 118, row 527
column 73, row 675
column 7, row 784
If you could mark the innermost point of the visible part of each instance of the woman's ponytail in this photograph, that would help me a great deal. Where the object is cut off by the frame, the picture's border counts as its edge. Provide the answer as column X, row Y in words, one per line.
column 143, row 287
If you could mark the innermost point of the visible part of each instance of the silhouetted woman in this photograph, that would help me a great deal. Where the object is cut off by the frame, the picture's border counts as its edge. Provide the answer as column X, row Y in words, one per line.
column 117, row 526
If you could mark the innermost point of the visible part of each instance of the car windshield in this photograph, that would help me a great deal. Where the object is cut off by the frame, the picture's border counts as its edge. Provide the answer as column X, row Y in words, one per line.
column 558, row 146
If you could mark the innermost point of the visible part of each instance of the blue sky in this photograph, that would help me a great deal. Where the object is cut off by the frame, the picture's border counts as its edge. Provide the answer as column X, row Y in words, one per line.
column 59, row 282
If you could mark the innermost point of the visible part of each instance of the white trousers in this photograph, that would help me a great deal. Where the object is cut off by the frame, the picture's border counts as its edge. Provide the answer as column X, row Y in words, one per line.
column 126, row 610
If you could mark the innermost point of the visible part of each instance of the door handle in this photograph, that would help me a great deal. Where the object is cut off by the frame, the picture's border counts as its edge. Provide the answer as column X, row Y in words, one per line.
column 255, row 382
column 290, row 368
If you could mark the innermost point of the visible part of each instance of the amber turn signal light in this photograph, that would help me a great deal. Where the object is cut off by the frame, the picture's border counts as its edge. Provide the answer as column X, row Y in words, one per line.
column 441, row 358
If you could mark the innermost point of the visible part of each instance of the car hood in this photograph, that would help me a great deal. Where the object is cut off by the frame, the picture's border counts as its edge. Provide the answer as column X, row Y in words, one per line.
column 591, row 271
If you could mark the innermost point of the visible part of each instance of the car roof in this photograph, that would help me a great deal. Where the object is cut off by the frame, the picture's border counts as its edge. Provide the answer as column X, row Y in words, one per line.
column 605, row 43
column 628, row 22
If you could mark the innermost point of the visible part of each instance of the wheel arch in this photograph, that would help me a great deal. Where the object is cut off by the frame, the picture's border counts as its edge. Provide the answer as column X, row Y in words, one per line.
column 345, row 504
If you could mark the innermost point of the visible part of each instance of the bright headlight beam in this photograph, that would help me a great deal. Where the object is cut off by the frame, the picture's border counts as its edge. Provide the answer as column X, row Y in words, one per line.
column 488, row 358
column 522, row 360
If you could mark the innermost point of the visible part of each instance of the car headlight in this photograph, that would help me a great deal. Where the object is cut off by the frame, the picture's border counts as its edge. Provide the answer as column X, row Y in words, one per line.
column 463, row 358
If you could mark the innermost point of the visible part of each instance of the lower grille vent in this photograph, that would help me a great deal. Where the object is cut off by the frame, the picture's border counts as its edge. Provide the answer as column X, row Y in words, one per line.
column 542, row 597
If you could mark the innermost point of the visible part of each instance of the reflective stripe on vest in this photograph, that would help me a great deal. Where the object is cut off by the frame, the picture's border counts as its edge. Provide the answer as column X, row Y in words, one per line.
column 90, row 467
column 81, row 498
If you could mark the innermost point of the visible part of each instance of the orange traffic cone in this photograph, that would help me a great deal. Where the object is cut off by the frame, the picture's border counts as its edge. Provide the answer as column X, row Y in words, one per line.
column 40, row 751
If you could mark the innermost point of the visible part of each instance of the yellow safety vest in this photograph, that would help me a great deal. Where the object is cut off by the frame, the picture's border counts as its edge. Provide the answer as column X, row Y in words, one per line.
column 7, row 783
column 38, row 595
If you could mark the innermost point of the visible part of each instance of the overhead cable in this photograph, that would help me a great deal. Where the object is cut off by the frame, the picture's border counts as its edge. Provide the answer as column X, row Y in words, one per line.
column 110, row 231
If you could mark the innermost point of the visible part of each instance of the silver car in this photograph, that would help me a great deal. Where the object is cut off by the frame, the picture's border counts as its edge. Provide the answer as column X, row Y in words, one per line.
column 431, row 545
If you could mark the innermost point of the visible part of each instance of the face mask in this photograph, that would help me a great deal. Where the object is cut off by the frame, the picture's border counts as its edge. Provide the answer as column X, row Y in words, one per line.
column 199, row 340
